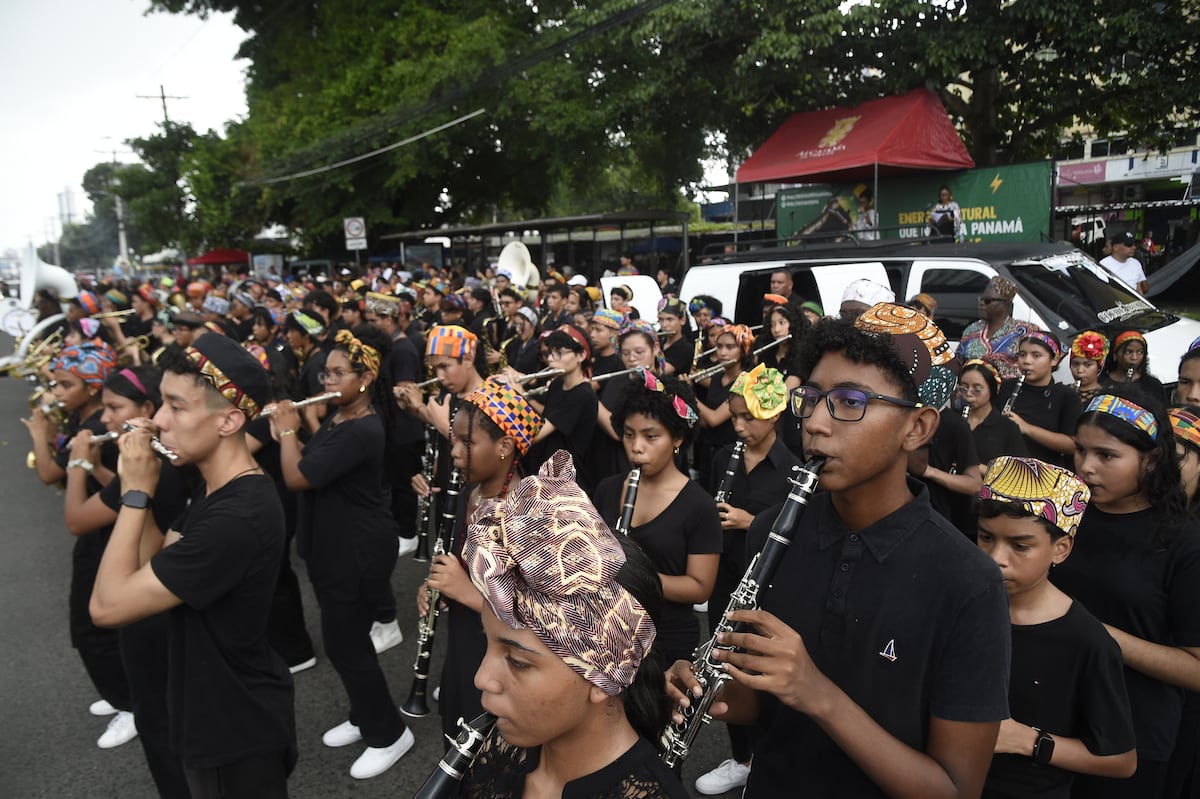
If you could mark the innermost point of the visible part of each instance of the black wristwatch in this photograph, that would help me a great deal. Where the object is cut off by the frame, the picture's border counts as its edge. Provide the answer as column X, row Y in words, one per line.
column 136, row 499
column 1043, row 750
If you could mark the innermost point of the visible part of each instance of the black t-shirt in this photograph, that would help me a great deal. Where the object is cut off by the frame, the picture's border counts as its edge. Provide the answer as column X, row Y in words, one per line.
column 229, row 693
column 1147, row 383
column 606, row 364
column 998, row 435
column 573, row 414
column 345, row 529
column 90, row 545
column 310, row 384
column 1066, row 680
column 1127, row 580
column 680, row 355
column 1054, row 407
column 404, row 365
column 500, row 770
column 952, row 448
column 170, row 496
column 907, row 616
column 690, row 525
column 717, row 395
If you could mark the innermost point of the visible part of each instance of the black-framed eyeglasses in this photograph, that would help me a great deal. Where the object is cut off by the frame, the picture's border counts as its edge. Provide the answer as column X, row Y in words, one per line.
column 844, row 404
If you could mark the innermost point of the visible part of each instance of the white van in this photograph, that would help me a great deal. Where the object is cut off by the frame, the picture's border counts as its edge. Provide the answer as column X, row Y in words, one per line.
column 1059, row 289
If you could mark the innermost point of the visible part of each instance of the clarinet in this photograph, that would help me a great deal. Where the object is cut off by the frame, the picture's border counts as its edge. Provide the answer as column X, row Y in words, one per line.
column 424, row 504
column 677, row 740
column 628, row 500
column 726, row 487
column 1008, row 404
column 444, row 780
column 417, row 705
column 1129, row 375
column 1078, row 383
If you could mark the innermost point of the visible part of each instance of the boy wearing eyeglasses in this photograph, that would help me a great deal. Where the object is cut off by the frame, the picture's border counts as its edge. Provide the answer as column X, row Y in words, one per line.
column 878, row 661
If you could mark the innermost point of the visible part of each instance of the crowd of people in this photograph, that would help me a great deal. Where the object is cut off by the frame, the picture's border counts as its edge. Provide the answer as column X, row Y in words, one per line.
column 993, row 593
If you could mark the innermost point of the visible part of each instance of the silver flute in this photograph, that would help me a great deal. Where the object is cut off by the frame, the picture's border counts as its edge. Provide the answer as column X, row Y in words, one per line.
column 112, row 435
column 326, row 397
column 1008, row 404
column 678, row 738
column 155, row 444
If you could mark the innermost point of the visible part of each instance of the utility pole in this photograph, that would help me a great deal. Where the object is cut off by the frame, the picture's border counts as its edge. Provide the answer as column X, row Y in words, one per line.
column 163, row 96
column 122, row 242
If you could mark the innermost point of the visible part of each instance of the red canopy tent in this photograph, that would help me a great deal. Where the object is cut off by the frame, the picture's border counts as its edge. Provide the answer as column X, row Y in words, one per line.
column 879, row 137
column 219, row 257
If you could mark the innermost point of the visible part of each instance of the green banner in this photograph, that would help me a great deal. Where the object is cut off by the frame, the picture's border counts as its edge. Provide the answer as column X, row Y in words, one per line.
column 1006, row 203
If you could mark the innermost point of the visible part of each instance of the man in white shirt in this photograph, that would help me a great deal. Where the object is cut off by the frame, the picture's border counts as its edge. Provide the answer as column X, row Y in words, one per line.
column 1122, row 263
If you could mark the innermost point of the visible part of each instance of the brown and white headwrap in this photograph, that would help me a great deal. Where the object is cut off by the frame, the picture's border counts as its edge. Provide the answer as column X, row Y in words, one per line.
column 544, row 560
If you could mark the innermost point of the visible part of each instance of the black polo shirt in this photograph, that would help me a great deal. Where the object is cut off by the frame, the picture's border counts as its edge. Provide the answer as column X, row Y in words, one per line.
column 908, row 617
column 765, row 485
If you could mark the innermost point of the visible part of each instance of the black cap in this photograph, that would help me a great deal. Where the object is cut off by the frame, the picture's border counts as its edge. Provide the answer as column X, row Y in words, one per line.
column 189, row 319
column 1125, row 238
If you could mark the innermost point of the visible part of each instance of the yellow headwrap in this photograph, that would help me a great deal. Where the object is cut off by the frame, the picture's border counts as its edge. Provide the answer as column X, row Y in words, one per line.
column 363, row 355
column 763, row 390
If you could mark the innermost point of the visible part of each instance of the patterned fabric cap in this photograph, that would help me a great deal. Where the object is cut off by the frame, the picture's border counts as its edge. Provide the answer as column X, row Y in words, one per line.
column 607, row 318
column 763, row 390
column 868, row 292
column 117, row 298
column 1004, row 287
column 215, row 304
column 90, row 362
column 232, row 371
column 1045, row 339
column 512, row 414
column 1135, row 415
column 1127, row 337
column 544, row 560
column 1186, row 426
column 361, row 355
column 696, row 304
column 673, row 306
column 451, row 341
column 743, row 335
column 88, row 302
column 305, row 322
column 1091, row 345
column 383, row 304
column 1049, row 492
column 921, row 345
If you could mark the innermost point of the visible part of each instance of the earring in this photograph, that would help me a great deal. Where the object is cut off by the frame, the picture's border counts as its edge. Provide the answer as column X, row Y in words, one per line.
column 362, row 389
column 677, row 451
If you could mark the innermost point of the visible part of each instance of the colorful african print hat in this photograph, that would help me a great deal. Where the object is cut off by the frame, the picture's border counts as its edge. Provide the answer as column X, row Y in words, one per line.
column 763, row 390
column 1127, row 411
column 1046, row 491
column 607, row 318
column 232, row 371
column 451, row 341
column 921, row 345
column 90, row 362
column 1186, row 426
column 383, row 304
column 363, row 355
column 509, row 410
column 544, row 560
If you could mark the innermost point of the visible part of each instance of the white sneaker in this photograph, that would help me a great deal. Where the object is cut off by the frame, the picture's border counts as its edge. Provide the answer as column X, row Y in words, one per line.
column 101, row 707
column 407, row 546
column 378, row 759
column 437, row 693
column 121, row 730
column 343, row 734
column 303, row 665
column 701, row 607
column 386, row 636
column 725, row 777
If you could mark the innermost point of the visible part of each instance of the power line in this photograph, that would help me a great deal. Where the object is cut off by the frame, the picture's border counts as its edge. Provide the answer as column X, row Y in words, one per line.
column 162, row 95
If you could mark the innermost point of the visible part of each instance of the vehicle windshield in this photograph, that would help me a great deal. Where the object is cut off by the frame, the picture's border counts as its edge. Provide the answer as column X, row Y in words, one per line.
column 1082, row 292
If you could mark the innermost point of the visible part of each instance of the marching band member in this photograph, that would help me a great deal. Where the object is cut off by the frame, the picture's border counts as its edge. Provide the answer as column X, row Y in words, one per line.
column 674, row 520
column 603, row 329
column 303, row 330
column 1088, row 352
column 231, row 719
column 1044, row 409
column 347, row 537
column 735, row 349
column 677, row 350
column 1130, row 355
column 569, row 404
column 568, row 671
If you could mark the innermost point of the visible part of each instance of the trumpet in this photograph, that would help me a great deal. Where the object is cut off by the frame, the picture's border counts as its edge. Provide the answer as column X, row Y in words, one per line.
column 113, row 314
column 326, row 397
column 155, row 444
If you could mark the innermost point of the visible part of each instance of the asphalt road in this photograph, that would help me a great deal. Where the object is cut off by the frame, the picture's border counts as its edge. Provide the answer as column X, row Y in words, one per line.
column 48, row 738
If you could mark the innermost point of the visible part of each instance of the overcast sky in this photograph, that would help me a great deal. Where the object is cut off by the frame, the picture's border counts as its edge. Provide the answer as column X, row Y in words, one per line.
column 70, row 73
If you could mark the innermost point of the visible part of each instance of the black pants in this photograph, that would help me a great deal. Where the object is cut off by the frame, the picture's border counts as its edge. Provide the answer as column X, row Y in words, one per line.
column 144, row 652
column 254, row 777
column 404, row 461
column 98, row 648
column 286, row 630
column 346, row 629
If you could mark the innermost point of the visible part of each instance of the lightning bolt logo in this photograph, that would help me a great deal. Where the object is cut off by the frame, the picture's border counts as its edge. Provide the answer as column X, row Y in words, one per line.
column 996, row 182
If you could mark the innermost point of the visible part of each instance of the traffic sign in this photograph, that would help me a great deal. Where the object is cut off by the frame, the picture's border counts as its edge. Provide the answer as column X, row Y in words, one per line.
column 356, row 244
column 355, row 227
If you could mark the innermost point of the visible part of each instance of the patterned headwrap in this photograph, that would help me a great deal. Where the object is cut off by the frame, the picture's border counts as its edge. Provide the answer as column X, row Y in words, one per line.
column 512, row 414
column 1004, row 287
column 1130, row 412
column 774, row 299
column 245, row 298
column 1127, row 337
column 718, row 321
column 451, row 341
column 1048, row 492
column 544, row 560
column 606, row 318
column 383, row 304
column 305, row 322
column 763, row 390
column 1186, row 426
column 695, row 304
column 232, row 371
column 1046, row 340
column 117, row 298
column 682, row 409
column 147, row 293
column 673, row 306
column 88, row 302
column 742, row 335
column 215, row 304
column 90, row 362
column 89, row 326
column 1091, row 345
column 361, row 355
column 921, row 345
column 438, row 286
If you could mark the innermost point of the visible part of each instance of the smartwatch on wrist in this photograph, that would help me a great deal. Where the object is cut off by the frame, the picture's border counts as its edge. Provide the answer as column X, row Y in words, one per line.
column 1043, row 748
column 136, row 499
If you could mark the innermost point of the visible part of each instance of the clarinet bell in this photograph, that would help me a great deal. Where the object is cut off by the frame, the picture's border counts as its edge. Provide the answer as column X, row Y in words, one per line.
column 417, row 704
